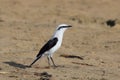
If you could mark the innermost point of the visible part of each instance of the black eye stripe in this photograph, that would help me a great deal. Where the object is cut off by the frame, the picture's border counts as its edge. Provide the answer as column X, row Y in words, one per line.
column 62, row 27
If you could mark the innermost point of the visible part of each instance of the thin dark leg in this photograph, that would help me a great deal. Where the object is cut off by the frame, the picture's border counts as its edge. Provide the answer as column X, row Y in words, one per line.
column 53, row 61
column 48, row 61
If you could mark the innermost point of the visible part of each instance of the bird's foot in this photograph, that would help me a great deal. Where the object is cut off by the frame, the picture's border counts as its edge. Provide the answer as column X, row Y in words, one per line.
column 55, row 66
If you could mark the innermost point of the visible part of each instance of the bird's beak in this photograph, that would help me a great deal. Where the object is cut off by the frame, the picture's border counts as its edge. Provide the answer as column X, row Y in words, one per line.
column 69, row 26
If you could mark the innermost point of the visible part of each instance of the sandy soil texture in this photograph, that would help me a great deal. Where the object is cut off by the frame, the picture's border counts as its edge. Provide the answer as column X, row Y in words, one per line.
column 90, row 49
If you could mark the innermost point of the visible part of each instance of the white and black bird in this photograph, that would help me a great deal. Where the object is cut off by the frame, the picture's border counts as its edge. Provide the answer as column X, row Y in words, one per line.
column 52, row 45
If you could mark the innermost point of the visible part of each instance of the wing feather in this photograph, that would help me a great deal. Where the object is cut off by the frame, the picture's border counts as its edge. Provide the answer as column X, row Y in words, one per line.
column 48, row 46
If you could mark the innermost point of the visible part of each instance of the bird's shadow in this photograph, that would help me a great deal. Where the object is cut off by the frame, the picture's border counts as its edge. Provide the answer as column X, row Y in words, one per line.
column 17, row 65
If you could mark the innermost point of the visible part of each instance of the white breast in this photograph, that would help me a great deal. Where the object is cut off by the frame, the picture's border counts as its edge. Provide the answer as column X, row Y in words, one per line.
column 59, row 35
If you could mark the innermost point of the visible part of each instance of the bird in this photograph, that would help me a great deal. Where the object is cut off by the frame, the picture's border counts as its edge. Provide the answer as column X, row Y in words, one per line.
column 53, row 44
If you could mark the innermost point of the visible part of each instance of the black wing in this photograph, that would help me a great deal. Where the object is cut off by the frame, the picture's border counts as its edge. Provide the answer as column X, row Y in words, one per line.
column 48, row 46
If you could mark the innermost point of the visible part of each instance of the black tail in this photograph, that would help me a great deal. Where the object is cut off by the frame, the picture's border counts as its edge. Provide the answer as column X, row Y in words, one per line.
column 34, row 61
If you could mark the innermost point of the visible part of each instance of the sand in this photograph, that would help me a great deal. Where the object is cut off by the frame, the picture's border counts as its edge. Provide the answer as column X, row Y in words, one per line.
column 25, row 26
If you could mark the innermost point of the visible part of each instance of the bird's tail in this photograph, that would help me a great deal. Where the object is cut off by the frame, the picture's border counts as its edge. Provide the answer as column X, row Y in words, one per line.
column 35, row 60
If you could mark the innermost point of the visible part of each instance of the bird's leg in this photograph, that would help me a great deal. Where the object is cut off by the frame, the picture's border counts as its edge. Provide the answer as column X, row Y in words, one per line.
column 48, row 61
column 53, row 61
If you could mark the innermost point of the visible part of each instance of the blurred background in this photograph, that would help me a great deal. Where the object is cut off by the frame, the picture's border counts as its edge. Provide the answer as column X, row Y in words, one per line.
column 25, row 25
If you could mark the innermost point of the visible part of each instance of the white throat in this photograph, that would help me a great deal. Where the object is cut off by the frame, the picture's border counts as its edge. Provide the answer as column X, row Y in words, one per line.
column 59, row 34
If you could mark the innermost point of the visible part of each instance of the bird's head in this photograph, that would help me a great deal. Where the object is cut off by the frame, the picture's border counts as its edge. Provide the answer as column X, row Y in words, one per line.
column 63, row 27
column 60, row 30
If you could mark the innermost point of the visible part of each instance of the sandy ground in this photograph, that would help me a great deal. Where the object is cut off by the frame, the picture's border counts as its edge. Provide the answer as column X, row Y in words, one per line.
column 25, row 25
